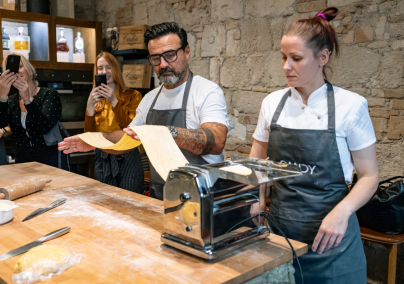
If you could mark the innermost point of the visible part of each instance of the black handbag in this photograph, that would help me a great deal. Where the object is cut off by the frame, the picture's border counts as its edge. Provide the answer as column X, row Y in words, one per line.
column 385, row 210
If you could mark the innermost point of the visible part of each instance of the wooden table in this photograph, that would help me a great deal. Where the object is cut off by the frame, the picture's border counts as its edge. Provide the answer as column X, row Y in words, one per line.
column 118, row 233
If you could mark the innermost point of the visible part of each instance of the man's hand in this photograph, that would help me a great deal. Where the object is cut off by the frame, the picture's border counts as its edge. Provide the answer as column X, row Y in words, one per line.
column 132, row 134
column 74, row 144
column 209, row 139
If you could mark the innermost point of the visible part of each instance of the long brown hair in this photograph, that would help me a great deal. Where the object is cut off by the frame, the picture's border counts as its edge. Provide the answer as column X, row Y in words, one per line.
column 120, row 86
column 317, row 32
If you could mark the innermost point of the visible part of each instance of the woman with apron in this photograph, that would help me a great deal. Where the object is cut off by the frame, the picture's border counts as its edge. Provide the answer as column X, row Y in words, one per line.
column 110, row 108
column 325, row 130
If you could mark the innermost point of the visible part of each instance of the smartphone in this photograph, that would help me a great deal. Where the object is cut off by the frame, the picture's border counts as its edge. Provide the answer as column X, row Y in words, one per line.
column 13, row 63
column 100, row 79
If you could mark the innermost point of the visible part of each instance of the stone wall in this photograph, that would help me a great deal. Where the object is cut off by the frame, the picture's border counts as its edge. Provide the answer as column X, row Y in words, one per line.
column 236, row 44
column 85, row 9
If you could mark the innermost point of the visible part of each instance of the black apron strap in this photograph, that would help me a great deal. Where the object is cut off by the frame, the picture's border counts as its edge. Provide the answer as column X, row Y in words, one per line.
column 186, row 92
column 153, row 103
column 279, row 108
column 331, row 106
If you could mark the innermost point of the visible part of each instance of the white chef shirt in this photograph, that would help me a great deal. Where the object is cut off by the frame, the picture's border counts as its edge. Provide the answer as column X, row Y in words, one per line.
column 354, row 129
column 206, row 103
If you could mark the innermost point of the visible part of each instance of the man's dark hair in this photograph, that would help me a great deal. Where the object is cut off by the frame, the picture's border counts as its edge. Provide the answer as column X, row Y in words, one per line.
column 164, row 29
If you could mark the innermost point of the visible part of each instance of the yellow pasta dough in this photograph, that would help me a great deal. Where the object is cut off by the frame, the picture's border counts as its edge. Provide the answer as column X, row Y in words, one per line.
column 238, row 169
column 158, row 142
column 96, row 139
column 163, row 152
column 189, row 213
column 42, row 262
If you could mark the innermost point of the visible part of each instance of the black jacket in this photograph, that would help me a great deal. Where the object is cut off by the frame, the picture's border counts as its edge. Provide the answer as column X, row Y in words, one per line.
column 43, row 114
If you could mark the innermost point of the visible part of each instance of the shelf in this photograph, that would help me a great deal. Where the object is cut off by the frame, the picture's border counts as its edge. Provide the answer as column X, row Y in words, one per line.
column 43, row 31
column 131, row 53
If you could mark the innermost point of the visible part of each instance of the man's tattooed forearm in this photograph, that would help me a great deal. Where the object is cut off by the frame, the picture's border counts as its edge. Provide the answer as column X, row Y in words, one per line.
column 209, row 139
column 193, row 140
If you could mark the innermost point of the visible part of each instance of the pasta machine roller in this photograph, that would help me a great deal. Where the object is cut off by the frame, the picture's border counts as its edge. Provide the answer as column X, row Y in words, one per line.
column 207, row 207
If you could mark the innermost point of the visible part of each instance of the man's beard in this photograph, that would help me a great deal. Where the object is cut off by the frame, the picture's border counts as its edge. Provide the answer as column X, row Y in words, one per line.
column 173, row 79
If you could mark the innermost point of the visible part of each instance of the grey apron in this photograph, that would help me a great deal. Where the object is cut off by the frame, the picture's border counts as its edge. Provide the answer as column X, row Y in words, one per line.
column 174, row 117
column 299, row 204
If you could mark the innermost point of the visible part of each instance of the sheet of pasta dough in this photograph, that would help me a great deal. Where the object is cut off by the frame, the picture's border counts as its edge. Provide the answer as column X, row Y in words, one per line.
column 161, row 148
column 158, row 142
column 237, row 169
column 97, row 140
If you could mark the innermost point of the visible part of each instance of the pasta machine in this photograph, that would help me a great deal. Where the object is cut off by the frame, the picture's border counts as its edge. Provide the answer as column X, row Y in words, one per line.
column 207, row 207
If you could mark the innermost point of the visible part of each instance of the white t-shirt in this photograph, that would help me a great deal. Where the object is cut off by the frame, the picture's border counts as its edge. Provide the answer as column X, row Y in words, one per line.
column 206, row 103
column 354, row 129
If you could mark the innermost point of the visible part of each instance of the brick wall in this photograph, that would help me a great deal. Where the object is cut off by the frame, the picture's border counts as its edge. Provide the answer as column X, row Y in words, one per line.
column 236, row 43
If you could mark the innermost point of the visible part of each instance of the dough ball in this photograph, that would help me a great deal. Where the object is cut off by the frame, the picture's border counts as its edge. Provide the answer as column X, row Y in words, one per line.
column 189, row 213
column 42, row 262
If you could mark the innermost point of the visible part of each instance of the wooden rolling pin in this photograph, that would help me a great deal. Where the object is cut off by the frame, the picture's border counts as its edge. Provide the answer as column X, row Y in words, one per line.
column 21, row 189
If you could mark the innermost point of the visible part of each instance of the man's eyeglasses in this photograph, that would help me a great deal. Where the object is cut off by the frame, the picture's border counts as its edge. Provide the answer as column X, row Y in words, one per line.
column 169, row 56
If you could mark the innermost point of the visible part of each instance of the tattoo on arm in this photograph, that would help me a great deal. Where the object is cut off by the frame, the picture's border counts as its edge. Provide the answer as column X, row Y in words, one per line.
column 209, row 139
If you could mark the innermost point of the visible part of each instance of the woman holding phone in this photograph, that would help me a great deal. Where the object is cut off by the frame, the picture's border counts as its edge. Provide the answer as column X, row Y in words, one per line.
column 112, row 107
column 31, row 112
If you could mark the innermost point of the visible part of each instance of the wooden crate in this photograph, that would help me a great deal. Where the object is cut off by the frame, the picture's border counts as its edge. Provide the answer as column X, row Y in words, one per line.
column 131, row 37
column 11, row 5
column 137, row 75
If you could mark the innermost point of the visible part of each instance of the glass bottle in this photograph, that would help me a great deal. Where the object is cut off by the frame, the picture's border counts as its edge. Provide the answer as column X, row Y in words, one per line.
column 79, row 44
column 114, row 38
column 21, row 41
column 5, row 40
column 61, row 45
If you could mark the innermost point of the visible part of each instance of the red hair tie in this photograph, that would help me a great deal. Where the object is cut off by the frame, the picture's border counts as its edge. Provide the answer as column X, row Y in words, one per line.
column 321, row 15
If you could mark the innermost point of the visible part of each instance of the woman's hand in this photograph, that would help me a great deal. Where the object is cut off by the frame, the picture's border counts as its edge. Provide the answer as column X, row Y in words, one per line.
column 22, row 87
column 6, row 80
column 93, row 98
column 108, row 93
column 334, row 225
column 2, row 133
column 332, row 229
column 255, row 210
column 132, row 134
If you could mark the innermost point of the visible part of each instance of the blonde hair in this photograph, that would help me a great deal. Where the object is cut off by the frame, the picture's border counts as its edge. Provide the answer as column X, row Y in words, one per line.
column 27, row 65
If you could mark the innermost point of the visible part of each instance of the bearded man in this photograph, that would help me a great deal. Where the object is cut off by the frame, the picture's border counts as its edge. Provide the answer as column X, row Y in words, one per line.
column 192, row 107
